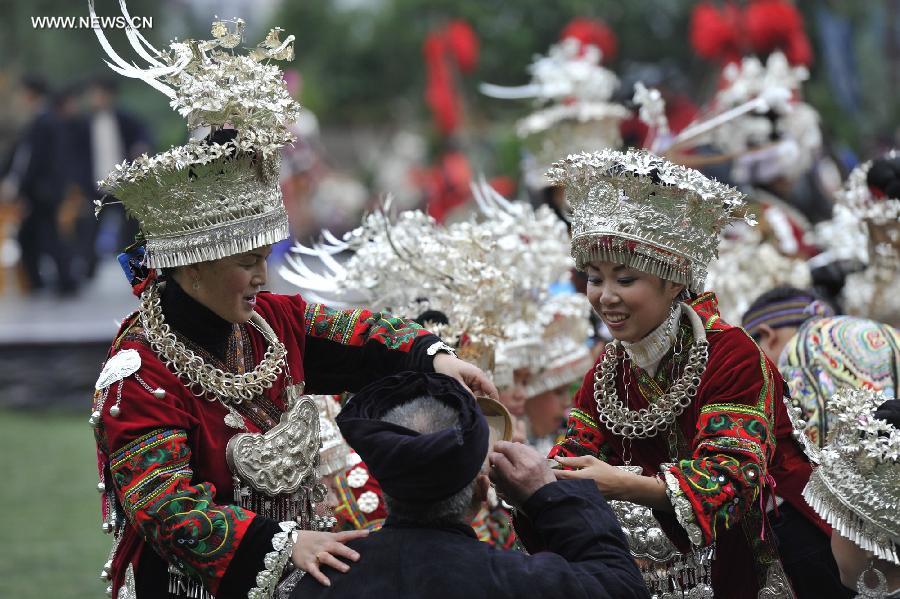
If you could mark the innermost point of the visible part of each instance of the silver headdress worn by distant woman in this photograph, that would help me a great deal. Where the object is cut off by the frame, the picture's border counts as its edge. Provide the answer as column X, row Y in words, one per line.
column 565, row 323
column 635, row 208
column 865, row 229
column 411, row 266
column 206, row 200
column 572, row 92
column 532, row 249
column 471, row 283
column 856, row 486
column 783, row 117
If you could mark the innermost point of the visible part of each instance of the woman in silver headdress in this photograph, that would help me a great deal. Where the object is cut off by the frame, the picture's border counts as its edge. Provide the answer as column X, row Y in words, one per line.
column 685, row 404
column 856, row 488
column 207, row 448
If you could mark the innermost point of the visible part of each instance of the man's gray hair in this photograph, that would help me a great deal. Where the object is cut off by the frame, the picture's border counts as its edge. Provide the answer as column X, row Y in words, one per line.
column 427, row 415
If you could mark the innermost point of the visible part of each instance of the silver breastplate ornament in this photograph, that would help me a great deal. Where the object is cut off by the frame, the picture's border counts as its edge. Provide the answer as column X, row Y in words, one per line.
column 275, row 475
column 668, row 573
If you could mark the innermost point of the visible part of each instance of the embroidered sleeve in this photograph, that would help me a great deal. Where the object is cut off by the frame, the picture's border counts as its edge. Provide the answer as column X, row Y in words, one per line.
column 357, row 327
column 152, row 475
column 583, row 436
column 347, row 349
column 730, row 453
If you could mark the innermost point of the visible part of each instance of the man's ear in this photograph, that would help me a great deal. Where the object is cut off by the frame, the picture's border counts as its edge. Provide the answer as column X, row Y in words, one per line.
column 768, row 339
column 766, row 334
column 482, row 484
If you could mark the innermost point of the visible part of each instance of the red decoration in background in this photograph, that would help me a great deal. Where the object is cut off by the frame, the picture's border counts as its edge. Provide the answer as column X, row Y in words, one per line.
column 593, row 32
column 457, row 44
column 777, row 25
column 463, row 44
column 446, row 184
column 714, row 32
column 725, row 34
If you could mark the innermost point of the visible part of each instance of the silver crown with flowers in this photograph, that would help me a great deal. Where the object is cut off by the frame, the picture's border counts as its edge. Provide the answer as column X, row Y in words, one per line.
column 565, row 319
column 202, row 201
column 856, row 486
column 865, row 229
column 533, row 247
column 573, row 92
column 637, row 209
column 409, row 264
column 796, row 123
column 487, row 277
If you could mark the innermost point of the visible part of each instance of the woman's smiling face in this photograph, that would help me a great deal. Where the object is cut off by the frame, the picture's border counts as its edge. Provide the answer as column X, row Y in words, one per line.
column 630, row 302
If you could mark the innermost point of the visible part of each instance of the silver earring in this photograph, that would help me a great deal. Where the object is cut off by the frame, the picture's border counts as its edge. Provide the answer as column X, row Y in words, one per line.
column 876, row 592
column 196, row 285
column 670, row 320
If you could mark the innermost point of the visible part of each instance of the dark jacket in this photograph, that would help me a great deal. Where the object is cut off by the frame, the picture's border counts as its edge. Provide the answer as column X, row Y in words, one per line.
column 587, row 557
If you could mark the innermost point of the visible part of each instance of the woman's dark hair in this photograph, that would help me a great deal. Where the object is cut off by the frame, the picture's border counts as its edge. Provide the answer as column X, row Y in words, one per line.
column 220, row 136
column 889, row 411
column 884, row 176
column 433, row 317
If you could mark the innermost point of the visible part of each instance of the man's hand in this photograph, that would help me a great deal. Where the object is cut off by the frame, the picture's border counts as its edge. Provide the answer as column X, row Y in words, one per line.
column 469, row 375
column 518, row 471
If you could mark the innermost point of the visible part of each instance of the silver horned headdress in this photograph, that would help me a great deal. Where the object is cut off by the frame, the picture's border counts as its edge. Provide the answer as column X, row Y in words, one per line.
column 574, row 112
column 489, row 277
column 856, row 486
column 206, row 200
column 635, row 208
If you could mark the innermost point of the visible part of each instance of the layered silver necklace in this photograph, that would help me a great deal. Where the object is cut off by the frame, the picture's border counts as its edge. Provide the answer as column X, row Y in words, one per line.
column 195, row 372
column 662, row 413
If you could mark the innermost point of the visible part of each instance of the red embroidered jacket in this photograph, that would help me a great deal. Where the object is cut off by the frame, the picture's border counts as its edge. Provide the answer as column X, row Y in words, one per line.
column 734, row 448
column 166, row 456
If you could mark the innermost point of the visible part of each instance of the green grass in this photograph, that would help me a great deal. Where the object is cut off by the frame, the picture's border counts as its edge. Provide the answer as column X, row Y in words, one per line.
column 50, row 539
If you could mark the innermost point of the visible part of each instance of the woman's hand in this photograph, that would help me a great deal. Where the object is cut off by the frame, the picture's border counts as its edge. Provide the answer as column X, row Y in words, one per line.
column 616, row 483
column 613, row 482
column 469, row 375
column 313, row 549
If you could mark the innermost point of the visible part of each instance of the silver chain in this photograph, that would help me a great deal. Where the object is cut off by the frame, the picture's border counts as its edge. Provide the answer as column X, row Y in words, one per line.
column 194, row 371
column 659, row 415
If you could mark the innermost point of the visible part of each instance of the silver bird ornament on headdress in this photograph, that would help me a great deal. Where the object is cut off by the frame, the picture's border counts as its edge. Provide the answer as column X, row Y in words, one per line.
column 208, row 199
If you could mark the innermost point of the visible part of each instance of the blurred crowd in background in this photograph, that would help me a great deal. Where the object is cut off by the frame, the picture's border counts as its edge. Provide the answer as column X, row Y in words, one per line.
column 392, row 104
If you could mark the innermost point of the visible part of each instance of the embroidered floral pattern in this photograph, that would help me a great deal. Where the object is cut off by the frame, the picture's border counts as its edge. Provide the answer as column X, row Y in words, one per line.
column 583, row 437
column 356, row 327
column 731, row 451
column 152, row 475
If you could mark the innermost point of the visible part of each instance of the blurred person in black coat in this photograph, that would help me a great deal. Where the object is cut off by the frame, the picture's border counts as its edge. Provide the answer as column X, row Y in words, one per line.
column 35, row 175
column 425, row 439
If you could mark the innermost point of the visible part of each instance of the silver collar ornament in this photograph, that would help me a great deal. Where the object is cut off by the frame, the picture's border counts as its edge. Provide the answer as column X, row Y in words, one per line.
column 661, row 414
column 214, row 383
